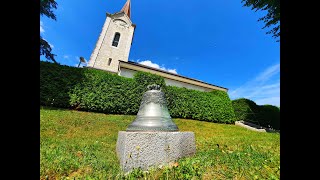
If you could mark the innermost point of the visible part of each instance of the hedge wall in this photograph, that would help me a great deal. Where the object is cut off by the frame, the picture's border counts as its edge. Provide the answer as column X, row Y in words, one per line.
column 212, row 106
column 56, row 82
column 96, row 90
column 263, row 115
column 269, row 115
column 246, row 110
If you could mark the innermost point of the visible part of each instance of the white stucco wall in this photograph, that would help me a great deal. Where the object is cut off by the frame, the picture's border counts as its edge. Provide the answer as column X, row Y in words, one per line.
column 127, row 72
column 169, row 82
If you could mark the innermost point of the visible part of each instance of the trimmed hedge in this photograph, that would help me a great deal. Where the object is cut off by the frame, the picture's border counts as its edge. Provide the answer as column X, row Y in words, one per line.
column 269, row 115
column 264, row 115
column 99, row 91
column 56, row 82
column 212, row 106
column 104, row 92
column 246, row 110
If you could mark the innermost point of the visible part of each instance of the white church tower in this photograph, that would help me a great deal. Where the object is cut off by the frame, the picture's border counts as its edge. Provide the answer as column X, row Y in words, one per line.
column 114, row 42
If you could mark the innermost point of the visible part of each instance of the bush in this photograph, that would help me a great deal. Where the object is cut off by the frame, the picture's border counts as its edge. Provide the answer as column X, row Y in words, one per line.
column 245, row 110
column 104, row 92
column 212, row 106
column 264, row 115
column 55, row 83
column 99, row 91
column 269, row 116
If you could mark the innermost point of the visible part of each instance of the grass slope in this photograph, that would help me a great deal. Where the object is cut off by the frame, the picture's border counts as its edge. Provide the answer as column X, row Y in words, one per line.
column 81, row 145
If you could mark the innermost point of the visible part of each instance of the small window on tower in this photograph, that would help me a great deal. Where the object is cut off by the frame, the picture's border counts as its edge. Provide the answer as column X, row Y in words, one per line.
column 109, row 61
column 116, row 39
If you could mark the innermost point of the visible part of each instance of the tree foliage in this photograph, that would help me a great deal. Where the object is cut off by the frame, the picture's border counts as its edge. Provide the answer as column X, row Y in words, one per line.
column 272, row 19
column 45, row 49
column 46, row 9
column 269, row 116
column 246, row 110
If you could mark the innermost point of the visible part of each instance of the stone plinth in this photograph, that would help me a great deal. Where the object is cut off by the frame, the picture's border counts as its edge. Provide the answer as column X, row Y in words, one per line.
column 148, row 149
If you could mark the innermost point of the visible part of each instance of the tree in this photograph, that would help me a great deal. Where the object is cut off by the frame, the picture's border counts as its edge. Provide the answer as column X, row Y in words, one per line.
column 46, row 9
column 273, row 16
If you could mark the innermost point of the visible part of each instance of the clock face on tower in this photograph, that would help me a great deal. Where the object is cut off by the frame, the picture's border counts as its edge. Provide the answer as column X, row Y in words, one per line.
column 120, row 23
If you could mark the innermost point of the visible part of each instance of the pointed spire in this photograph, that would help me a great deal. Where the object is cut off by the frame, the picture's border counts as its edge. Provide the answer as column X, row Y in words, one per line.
column 127, row 8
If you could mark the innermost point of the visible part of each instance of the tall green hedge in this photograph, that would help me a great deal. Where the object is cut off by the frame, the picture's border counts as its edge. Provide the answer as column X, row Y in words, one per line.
column 269, row 116
column 246, row 110
column 99, row 91
column 212, row 106
column 56, row 82
column 264, row 115
column 104, row 92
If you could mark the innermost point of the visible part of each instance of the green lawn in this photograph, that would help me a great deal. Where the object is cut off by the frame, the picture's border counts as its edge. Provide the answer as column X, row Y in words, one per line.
column 81, row 145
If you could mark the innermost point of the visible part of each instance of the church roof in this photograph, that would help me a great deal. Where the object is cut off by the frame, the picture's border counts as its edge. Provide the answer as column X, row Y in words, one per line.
column 173, row 74
column 127, row 8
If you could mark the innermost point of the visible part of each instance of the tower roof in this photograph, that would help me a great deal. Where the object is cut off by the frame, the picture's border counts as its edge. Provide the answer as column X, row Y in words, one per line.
column 127, row 8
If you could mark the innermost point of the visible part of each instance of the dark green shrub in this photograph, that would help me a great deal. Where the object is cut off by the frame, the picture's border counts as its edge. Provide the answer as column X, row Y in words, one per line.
column 144, row 79
column 263, row 115
column 212, row 106
column 96, row 90
column 55, row 83
column 269, row 116
column 105, row 92
column 246, row 110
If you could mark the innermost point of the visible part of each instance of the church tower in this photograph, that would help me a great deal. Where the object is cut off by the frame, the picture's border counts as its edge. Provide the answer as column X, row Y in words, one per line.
column 114, row 42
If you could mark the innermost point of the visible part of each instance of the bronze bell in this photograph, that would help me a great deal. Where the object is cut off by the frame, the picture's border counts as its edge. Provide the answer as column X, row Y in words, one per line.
column 153, row 114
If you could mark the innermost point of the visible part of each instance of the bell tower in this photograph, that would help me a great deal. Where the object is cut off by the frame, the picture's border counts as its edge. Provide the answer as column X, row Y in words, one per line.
column 114, row 42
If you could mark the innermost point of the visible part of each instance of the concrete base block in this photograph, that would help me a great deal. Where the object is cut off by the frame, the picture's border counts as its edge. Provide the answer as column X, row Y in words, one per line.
column 152, row 149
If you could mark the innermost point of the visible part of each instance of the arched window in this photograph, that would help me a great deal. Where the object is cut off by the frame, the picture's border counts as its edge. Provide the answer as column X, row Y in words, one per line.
column 116, row 39
column 109, row 62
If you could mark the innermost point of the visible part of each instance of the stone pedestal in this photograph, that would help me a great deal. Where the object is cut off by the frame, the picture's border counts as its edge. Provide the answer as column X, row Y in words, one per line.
column 148, row 149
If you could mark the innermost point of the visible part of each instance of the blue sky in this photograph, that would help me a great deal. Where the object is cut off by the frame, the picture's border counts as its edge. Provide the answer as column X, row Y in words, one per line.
column 216, row 41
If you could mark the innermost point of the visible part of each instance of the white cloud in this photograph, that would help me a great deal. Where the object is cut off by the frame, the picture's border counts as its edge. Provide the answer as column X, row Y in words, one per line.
column 154, row 65
column 42, row 31
column 269, row 72
column 150, row 64
column 41, row 27
column 263, row 89
column 66, row 57
column 173, row 71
